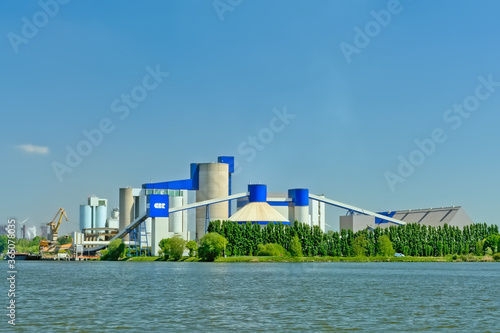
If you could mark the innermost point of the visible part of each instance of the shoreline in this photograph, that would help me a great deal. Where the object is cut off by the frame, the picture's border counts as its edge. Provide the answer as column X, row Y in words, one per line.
column 256, row 259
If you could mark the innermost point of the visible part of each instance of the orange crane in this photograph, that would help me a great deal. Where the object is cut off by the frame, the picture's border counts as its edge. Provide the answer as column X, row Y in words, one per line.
column 54, row 226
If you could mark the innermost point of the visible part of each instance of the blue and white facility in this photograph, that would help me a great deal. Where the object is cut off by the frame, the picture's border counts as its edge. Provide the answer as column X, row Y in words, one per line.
column 162, row 210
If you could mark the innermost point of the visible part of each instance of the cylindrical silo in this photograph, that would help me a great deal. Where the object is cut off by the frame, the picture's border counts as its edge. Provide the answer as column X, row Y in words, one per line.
column 126, row 208
column 258, row 193
column 301, row 200
column 213, row 181
column 175, row 218
column 85, row 217
column 102, row 212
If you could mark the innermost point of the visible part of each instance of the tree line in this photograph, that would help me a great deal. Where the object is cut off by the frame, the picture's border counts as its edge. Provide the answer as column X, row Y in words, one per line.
column 412, row 239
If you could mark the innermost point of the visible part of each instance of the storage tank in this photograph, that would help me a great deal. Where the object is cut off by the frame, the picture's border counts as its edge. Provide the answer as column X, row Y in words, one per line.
column 100, row 221
column 300, row 208
column 213, row 181
column 85, row 217
column 258, row 193
column 175, row 218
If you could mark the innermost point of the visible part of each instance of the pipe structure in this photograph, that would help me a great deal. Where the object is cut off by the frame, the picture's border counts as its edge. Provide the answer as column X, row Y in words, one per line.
column 355, row 209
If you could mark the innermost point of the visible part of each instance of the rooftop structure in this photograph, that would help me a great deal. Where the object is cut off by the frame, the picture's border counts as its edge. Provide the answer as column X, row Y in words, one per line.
column 435, row 217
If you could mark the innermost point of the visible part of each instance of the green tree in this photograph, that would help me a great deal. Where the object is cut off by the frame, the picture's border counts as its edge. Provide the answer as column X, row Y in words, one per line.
column 270, row 249
column 37, row 239
column 211, row 246
column 493, row 242
column 66, row 239
column 384, row 246
column 323, row 248
column 115, row 250
column 173, row 247
column 192, row 247
column 22, row 245
column 3, row 243
column 478, row 251
column 296, row 247
column 360, row 245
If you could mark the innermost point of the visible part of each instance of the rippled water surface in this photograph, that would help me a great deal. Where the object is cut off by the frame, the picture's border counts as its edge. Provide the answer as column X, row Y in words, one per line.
column 201, row 297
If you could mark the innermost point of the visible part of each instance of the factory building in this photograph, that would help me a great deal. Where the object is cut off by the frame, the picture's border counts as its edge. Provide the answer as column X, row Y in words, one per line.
column 28, row 232
column 156, row 211
column 44, row 230
column 133, row 204
column 212, row 185
column 453, row 216
column 207, row 180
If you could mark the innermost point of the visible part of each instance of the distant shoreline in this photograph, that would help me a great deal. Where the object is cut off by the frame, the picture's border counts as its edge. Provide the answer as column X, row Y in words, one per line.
column 254, row 259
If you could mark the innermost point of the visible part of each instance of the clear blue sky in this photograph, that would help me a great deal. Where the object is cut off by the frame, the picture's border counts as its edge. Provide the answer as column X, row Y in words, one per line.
column 353, row 120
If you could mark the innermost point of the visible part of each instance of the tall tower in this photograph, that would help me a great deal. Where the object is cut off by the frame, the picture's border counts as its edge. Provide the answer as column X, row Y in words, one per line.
column 126, row 208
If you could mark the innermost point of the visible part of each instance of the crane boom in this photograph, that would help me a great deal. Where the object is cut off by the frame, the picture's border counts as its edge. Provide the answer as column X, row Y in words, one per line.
column 54, row 226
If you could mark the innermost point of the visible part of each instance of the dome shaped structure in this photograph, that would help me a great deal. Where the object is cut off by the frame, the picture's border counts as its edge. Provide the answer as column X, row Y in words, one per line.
column 258, row 212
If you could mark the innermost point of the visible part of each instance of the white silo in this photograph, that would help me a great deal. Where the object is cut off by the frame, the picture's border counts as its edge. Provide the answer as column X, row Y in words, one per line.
column 213, row 183
column 115, row 213
column 175, row 218
column 101, row 213
column 299, row 207
column 85, row 217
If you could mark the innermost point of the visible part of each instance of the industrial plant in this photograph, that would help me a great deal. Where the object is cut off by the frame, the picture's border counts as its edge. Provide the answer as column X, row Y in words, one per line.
column 162, row 210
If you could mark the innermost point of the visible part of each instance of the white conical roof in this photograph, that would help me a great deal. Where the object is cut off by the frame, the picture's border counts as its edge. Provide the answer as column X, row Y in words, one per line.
column 258, row 212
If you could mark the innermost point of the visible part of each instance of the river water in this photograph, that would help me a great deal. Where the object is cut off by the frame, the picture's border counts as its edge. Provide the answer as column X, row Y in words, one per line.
column 247, row 297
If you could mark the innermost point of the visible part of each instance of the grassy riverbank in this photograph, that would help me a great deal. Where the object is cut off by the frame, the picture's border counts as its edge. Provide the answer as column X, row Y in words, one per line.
column 354, row 259
column 251, row 259
column 183, row 259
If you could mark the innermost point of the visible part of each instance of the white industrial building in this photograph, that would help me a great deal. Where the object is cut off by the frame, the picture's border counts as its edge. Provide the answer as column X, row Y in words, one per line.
column 133, row 205
column 453, row 216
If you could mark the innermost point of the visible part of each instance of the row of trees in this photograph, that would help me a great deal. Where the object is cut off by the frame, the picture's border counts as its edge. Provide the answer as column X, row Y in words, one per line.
column 411, row 239
column 302, row 240
column 213, row 245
